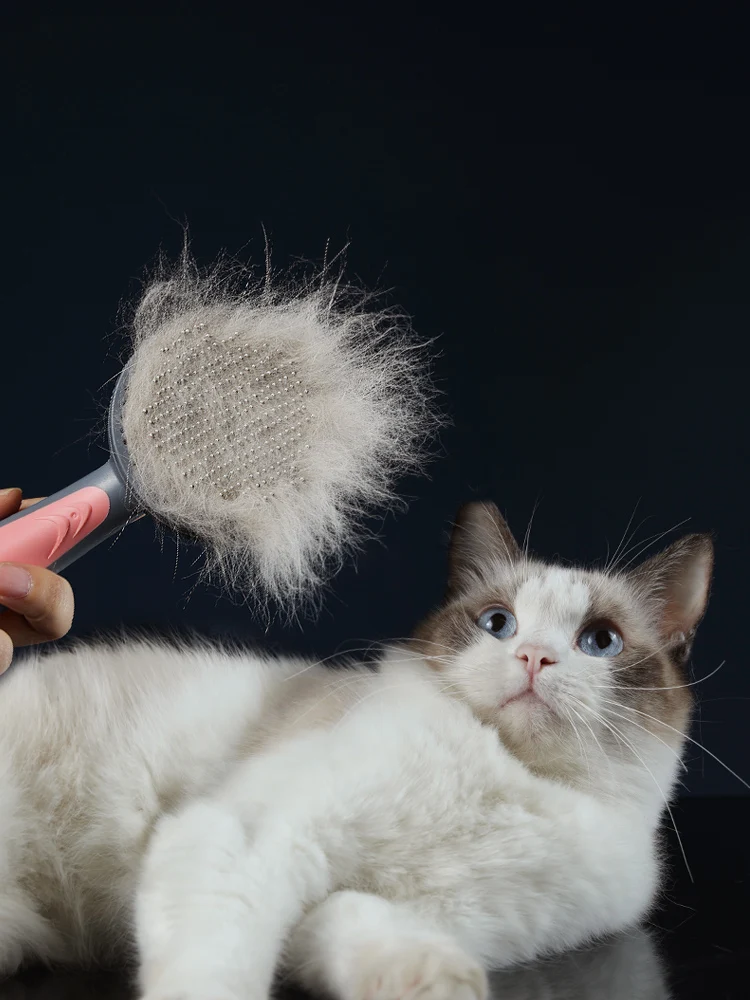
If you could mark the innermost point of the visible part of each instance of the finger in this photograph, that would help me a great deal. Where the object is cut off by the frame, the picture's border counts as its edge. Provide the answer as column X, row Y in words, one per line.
column 30, row 503
column 42, row 602
column 6, row 651
column 10, row 501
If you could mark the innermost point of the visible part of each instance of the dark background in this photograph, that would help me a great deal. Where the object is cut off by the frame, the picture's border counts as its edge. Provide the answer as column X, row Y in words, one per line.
column 566, row 206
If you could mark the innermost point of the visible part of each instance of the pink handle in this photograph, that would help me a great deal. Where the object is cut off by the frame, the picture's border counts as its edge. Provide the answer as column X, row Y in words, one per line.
column 41, row 536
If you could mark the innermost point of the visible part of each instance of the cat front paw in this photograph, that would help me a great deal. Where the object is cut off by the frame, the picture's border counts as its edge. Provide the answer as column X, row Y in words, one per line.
column 427, row 970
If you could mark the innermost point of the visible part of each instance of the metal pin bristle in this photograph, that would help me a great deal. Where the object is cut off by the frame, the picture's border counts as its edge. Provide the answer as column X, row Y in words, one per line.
column 230, row 411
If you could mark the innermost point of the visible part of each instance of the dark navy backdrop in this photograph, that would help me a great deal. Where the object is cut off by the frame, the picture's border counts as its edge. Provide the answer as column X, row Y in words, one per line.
column 568, row 211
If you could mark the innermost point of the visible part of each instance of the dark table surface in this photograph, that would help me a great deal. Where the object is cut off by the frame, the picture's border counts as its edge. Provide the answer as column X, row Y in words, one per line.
column 695, row 944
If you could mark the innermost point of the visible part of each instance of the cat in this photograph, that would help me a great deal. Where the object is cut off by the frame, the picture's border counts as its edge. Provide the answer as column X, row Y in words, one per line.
column 490, row 793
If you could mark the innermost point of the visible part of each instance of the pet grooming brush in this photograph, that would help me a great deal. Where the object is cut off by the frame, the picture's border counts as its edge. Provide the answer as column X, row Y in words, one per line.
column 263, row 425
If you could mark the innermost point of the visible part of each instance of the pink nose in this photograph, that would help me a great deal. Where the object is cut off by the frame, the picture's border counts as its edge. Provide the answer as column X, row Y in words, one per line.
column 536, row 657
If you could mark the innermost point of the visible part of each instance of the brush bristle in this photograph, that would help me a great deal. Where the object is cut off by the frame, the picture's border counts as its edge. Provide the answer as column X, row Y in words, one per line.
column 269, row 422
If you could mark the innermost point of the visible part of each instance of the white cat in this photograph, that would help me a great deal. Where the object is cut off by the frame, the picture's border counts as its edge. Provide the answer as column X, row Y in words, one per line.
column 489, row 794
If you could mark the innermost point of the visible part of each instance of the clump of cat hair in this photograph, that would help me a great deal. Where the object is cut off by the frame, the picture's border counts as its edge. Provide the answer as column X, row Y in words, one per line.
column 372, row 412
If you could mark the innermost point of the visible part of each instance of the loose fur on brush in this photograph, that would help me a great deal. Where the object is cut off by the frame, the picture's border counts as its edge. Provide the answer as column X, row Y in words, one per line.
column 370, row 418
column 491, row 793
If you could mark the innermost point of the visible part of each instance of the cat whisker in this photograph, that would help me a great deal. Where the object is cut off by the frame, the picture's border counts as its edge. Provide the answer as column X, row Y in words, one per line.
column 672, row 687
column 637, row 663
column 446, row 661
column 728, row 697
column 324, row 660
column 614, row 568
column 643, row 729
column 452, row 690
column 527, row 536
column 414, row 638
column 589, row 727
column 608, row 566
column 335, row 685
column 425, row 642
column 646, row 545
column 573, row 726
column 683, row 735
column 648, row 731
column 618, row 735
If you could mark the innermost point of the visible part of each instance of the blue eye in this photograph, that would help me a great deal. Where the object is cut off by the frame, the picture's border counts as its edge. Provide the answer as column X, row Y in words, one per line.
column 499, row 622
column 600, row 642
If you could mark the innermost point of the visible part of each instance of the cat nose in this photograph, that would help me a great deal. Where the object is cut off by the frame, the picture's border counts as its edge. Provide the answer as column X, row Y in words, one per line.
column 536, row 657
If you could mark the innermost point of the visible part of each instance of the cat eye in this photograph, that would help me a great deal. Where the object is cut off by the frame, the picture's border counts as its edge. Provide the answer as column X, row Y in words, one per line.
column 600, row 641
column 499, row 622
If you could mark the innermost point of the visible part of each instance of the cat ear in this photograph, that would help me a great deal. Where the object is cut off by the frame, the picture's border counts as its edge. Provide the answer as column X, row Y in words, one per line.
column 480, row 540
column 677, row 581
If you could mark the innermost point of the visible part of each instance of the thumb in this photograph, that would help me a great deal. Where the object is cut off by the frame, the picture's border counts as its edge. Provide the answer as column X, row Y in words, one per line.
column 10, row 501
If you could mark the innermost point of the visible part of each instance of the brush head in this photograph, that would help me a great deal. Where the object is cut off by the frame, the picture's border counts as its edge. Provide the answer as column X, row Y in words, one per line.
column 226, row 415
column 267, row 424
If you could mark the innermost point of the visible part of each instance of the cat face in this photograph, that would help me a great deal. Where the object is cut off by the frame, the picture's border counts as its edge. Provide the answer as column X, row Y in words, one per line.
column 572, row 666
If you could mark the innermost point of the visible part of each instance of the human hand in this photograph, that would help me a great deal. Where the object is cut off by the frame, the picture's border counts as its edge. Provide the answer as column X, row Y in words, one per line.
column 37, row 604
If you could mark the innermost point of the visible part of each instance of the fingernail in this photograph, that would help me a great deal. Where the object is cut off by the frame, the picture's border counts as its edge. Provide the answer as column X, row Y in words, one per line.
column 15, row 582
column 10, row 489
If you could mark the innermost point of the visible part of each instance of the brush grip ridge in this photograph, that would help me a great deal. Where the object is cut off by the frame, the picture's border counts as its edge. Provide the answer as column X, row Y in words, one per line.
column 63, row 527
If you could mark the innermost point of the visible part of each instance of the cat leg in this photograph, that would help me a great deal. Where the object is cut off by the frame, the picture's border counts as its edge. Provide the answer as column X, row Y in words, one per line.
column 216, row 900
column 356, row 946
column 24, row 933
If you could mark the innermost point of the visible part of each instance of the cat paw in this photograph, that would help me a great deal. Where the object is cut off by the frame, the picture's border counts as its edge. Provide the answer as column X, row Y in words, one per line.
column 419, row 970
